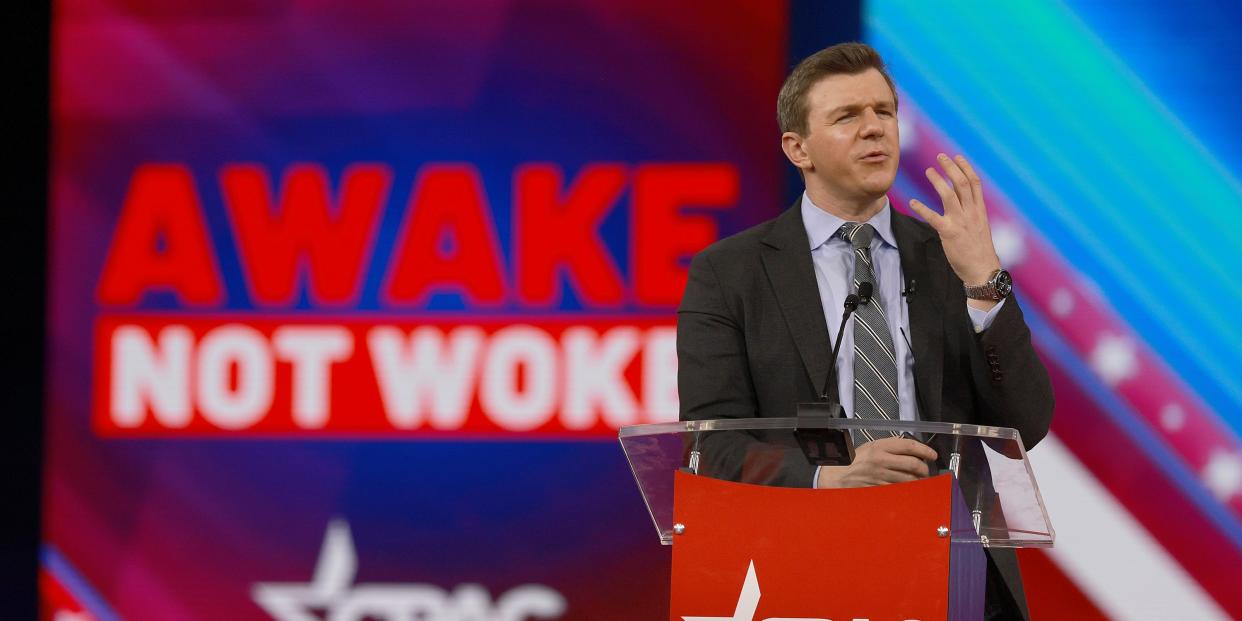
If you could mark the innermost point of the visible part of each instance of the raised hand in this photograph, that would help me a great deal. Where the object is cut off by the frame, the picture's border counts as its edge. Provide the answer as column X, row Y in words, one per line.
column 963, row 228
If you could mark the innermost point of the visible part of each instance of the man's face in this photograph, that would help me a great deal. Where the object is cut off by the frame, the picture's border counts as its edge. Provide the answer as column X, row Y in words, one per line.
column 852, row 144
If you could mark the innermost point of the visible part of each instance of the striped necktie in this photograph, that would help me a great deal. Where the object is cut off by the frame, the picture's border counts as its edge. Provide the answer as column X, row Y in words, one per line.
column 875, row 361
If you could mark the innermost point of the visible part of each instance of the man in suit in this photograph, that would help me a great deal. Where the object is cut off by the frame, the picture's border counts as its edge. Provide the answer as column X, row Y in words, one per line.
column 942, row 338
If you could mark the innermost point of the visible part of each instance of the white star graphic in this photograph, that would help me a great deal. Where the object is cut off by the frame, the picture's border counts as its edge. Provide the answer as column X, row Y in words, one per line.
column 334, row 575
column 1061, row 303
column 1009, row 242
column 1172, row 417
column 332, row 594
column 1223, row 474
column 748, row 603
column 1114, row 359
column 747, row 600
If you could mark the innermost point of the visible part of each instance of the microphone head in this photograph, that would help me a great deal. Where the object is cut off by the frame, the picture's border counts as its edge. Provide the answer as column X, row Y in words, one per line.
column 864, row 292
column 851, row 301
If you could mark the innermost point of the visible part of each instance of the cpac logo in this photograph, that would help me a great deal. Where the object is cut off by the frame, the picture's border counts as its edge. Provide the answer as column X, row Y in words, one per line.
column 748, row 603
column 332, row 596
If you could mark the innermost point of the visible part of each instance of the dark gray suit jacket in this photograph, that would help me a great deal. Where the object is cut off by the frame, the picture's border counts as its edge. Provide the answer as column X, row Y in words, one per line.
column 752, row 342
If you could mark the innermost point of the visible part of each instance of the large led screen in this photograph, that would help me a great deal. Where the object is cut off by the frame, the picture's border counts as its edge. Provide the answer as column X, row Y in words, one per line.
column 347, row 301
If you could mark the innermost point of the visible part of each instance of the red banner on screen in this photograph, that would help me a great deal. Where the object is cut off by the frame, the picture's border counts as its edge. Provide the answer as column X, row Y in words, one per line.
column 242, row 375
column 203, row 367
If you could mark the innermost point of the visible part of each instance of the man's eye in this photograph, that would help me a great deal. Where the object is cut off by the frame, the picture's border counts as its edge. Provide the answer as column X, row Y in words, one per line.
column 884, row 113
column 845, row 117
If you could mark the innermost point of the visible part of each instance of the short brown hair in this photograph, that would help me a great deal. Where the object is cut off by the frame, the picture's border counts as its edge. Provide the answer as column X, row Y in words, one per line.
column 841, row 59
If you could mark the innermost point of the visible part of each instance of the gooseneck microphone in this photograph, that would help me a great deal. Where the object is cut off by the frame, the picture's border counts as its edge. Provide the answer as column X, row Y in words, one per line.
column 851, row 303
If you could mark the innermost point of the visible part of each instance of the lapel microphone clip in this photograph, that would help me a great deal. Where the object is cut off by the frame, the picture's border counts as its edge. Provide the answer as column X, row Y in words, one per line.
column 864, row 293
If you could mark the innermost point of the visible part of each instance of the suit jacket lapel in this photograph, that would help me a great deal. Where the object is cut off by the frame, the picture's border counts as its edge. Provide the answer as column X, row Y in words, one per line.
column 787, row 261
column 918, row 262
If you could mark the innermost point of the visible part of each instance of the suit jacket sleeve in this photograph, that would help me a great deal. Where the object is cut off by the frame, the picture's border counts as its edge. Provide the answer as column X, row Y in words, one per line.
column 1012, row 386
column 714, row 380
column 713, row 373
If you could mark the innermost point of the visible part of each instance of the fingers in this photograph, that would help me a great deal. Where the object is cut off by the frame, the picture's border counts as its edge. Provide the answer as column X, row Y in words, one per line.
column 960, row 189
column 934, row 219
column 903, row 446
column 889, row 469
column 976, row 185
column 918, row 450
column 891, row 460
column 961, row 185
column 906, row 464
column 948, row 197
column 896, row 476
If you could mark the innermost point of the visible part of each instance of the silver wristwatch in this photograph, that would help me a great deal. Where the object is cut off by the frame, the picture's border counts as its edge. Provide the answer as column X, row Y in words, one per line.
column 998, row 287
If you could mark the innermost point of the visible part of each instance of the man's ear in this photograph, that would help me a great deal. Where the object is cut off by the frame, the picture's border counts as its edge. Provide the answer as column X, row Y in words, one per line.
column 791, row 144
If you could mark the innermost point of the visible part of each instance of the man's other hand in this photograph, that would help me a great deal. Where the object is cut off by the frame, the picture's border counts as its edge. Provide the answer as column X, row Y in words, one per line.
column 887, row 460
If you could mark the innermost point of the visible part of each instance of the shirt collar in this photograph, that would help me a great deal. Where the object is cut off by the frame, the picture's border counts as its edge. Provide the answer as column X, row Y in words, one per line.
column 821, row 225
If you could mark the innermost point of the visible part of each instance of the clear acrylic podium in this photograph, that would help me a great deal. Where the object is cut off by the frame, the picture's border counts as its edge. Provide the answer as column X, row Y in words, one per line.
column 724, row 492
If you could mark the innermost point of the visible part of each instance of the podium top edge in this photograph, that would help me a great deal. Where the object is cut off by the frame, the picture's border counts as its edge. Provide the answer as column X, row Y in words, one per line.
column 816, row 422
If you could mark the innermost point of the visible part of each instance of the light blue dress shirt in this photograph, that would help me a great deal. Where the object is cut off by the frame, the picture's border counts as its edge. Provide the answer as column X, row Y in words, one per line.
column 834, row 274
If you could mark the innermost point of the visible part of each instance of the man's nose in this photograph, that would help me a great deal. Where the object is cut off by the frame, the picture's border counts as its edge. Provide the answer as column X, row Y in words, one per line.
column 872, row 127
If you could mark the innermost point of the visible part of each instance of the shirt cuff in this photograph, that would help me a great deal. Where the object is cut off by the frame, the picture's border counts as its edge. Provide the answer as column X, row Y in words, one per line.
column 815, row 478
column 982, row 319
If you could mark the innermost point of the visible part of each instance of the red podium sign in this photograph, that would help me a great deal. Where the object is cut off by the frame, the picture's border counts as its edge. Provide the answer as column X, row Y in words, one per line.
column 749, row 552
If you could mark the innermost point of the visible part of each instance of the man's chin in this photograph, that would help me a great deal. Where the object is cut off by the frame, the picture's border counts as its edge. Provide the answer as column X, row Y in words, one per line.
column 879, row 187
column 881, row 181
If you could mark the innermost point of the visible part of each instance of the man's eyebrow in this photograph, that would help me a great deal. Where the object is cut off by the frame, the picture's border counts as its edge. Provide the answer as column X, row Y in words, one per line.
column 881, row 103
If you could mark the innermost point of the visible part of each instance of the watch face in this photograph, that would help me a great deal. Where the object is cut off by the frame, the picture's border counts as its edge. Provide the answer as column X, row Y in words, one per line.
column 1004, row 283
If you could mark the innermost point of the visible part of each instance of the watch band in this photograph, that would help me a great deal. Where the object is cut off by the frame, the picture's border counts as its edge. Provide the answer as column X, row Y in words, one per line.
column 997, row 287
